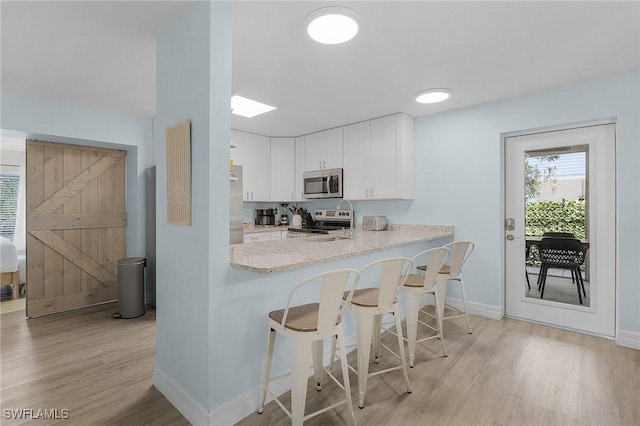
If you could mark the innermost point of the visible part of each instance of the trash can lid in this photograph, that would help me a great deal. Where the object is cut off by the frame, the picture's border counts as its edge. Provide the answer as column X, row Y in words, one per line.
column 131, row 260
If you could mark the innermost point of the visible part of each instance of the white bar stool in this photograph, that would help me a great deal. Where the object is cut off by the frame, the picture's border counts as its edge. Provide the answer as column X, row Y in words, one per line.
column 306, row 326
column 369, row 305
column 460, row 252
column 417, row 285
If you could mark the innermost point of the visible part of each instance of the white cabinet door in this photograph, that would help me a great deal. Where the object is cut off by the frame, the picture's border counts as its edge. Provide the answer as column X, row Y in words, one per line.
column 282, row 169
column 333, row 148
column 314, row 151
column 356, row 161
column 383, row 166
column 323, row 150
column 378, row 159
column 405, row 151
column 300, row 167
column 253, row 152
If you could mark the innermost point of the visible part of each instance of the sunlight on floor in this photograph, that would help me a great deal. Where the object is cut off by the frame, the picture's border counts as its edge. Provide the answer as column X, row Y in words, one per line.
column 12, row 305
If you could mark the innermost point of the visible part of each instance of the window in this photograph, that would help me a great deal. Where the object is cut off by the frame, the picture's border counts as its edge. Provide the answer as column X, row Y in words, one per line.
column 8, row 204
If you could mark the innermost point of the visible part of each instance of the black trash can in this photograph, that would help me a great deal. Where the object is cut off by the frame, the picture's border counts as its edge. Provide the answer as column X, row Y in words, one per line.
column 131, row 287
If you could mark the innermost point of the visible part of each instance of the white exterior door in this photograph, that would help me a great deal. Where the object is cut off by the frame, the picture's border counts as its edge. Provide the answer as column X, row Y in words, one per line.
column 597, row 314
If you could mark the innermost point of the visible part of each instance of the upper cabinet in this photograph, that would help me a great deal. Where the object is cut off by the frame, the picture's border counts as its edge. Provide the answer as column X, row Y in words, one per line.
column 282, row 169
column 323, row 150
column 253, row 152
column 379, row 159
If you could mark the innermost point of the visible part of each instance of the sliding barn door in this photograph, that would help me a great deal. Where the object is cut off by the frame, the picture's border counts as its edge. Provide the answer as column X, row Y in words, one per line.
column 75, row 225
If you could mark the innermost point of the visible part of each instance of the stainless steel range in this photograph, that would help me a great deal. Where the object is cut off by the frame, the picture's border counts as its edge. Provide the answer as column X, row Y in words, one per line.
column 325, row 220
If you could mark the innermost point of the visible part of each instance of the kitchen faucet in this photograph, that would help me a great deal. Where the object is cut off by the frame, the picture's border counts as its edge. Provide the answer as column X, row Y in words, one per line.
column 351, row 218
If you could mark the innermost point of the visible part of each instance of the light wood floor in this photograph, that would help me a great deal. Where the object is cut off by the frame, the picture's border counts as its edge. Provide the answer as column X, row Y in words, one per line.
column 98, row 368
column 506, row 373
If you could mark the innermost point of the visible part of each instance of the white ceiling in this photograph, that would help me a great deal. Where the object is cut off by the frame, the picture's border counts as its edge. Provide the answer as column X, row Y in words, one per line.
column 102, row 54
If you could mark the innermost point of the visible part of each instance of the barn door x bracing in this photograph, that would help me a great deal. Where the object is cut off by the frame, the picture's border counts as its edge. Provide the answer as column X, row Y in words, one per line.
column 75, row 225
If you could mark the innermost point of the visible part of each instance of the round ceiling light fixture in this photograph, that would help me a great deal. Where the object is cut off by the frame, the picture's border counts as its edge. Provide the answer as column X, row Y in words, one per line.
column 332, row 25
column 433, row 96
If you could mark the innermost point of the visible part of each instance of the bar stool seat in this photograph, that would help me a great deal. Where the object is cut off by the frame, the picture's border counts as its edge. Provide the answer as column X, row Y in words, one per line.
column 366, row 297
column 306, row 326
column 303, row 318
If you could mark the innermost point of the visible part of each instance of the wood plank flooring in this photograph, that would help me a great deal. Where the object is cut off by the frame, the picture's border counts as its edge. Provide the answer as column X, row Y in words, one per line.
column 506, row 373
column 98, row 368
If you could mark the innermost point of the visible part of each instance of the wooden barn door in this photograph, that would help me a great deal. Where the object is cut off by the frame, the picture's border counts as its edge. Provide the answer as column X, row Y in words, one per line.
column 75, row 225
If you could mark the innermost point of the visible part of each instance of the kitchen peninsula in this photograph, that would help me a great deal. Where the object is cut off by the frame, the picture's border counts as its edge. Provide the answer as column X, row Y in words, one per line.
column 293, row 253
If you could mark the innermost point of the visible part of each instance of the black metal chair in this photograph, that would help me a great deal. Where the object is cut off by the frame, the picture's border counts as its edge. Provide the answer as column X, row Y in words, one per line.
column 557, row 235
column 562, row 253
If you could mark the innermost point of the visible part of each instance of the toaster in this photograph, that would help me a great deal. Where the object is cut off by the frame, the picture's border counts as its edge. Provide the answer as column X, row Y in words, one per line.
column 374, row 223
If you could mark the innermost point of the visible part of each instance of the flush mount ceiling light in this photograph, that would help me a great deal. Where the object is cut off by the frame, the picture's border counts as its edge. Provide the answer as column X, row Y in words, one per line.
column 433, row 96
column 332, row 25
column 247, row 107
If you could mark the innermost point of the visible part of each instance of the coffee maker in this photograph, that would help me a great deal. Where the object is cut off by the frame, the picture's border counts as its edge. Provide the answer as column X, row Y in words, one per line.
column 284, row 218
column 265, row 217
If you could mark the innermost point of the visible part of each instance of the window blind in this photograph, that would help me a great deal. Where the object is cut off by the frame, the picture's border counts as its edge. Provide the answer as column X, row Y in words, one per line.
column 8, row 204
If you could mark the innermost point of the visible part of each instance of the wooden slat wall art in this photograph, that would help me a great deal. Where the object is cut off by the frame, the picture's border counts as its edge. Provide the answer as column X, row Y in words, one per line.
column 76, row 222
column 179, row 173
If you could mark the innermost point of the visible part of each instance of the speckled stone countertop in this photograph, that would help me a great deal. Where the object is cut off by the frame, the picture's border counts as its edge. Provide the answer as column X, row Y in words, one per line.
column 277, row 256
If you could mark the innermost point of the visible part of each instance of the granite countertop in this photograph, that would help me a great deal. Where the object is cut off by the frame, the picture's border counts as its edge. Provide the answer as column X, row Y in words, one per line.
column 293, row 253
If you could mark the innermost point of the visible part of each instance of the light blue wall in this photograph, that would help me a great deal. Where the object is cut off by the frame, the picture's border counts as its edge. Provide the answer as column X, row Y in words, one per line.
column 194, row 82
column 458, row 175
column 35, row 118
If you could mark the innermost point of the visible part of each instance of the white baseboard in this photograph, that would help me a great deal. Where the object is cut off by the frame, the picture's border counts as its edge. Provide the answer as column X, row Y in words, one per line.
column 190, row 409
column 628, row 339
column 474, row 308
column 246, row 403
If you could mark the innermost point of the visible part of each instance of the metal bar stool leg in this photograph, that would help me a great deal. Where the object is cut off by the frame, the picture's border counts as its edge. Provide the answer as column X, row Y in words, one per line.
column 271, row 338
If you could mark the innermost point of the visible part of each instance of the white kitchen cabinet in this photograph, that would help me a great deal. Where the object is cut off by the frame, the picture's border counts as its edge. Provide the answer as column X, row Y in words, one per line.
column 253, row 152
column 299, row 167
column 379, row 159
column 282, row 169
column 357, row 153
column 323, row 150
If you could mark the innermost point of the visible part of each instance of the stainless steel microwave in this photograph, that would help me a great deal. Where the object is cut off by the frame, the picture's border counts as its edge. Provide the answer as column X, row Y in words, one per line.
column 325, row 183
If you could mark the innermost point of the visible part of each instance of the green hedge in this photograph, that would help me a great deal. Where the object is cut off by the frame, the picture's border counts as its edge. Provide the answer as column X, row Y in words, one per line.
column 555, row 216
